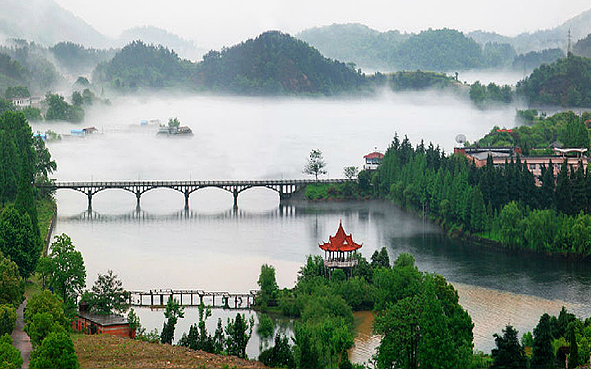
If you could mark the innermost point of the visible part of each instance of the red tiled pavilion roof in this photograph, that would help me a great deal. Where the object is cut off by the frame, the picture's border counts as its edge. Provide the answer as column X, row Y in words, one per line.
column 374, row 155
column 340, row 242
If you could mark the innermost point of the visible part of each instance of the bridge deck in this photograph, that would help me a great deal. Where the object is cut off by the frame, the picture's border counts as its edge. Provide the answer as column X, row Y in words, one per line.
column 193, row 297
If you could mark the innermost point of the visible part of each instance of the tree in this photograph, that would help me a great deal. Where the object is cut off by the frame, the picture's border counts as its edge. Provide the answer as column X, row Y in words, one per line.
column 68, row 274
column 315, row 165
column 238, row 332
column 7, row 319
column 198, row 338
column 509, row 352
column 543, row 353
column 172, row 313
column 267, row 284
column 10, row 356
column 350, row 172
column 12, row 287
column 380, row 259
column 56, row 351
column 19, row 241
column 173, row 123
column 280, row 355
column 108, row 295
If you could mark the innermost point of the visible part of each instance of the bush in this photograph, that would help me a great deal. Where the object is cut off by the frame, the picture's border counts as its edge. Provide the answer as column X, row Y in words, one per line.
column 46, row 302
column 10, row 356
column 7, row 319
column 40, row 326
column 56, row 351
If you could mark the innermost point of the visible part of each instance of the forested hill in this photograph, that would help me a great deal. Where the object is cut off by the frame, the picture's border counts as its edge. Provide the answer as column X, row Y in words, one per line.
column 440, row 50
column 566, row 82
column 432, row 50
column 275, row 63
column 138, row 65
column 356, row 43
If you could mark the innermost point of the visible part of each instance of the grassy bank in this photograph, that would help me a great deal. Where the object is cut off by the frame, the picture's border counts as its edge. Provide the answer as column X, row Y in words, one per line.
column 46, row 210
column 104, row 351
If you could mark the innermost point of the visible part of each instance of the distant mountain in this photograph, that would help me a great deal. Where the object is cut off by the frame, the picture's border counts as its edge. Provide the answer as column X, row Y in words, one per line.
column 553, row 38
column 45, row 22
column 157, row 36
column 276, row 63
column 357, row 43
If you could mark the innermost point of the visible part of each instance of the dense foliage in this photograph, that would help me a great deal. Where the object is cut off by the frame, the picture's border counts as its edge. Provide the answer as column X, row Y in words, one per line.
column 535, row 59
column 563, row 129
column 138, row 65
column 59, row 109
column 420, row 80
column 439, row 50
column 275, row 63
column 583, row 47
column 483, row 95
column 76, row 58
column 501, row 204
column 10, row 356
column 566, row 82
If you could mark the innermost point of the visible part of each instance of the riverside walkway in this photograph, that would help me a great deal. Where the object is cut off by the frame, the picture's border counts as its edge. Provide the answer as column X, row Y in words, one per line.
column 284, row 187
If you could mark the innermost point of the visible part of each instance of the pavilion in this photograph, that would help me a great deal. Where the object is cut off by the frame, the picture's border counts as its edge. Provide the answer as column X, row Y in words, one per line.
column 338, row 252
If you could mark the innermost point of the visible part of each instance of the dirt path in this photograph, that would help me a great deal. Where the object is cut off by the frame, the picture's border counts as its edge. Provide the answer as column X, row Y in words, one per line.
column 20, row 339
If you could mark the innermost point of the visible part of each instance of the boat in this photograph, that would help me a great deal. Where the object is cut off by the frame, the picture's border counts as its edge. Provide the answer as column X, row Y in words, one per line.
column 174, row 131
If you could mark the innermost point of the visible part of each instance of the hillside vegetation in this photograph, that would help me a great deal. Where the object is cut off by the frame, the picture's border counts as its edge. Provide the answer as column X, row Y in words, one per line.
column 566, row 82
column 275, row 62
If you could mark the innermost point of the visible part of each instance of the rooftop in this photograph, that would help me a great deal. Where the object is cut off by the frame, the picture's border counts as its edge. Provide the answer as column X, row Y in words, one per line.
column 104, row 319
column 340, row 242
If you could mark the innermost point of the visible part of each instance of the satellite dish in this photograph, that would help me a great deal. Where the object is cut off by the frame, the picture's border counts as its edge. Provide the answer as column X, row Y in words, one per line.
column 461, row 138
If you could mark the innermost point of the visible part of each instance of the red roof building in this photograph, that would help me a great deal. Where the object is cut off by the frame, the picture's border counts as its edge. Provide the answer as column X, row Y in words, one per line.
column 338, row 251
column 373, row 160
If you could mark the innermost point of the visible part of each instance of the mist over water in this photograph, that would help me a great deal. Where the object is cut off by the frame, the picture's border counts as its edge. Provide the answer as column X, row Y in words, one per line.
column 213, row 247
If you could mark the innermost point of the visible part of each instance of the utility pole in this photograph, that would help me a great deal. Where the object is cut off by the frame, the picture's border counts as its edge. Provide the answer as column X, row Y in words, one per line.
column 568, row 52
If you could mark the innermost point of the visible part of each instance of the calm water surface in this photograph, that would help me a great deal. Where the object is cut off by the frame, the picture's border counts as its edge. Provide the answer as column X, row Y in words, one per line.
column 213, row 247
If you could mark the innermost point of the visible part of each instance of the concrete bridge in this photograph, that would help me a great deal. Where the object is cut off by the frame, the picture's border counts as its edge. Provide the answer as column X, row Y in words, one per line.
column 284, row 187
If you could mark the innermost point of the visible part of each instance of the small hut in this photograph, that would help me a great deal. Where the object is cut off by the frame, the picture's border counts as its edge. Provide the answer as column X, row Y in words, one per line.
column 338, row 252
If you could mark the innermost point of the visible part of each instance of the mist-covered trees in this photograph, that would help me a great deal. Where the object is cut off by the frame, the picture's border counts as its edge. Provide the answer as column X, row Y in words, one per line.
column 59, row 109
column 138, row 65
column 439, row 50
column 275, row 63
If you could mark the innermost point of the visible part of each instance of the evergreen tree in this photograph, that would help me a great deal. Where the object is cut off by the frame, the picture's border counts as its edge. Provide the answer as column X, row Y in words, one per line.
column 563, row 192
column 509, row 353
column 19, row 241
column 543, row 353
column 25, row 199
column 478, row 218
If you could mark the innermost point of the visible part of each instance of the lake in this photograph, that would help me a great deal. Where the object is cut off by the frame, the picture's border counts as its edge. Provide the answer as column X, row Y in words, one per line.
column 213, row 247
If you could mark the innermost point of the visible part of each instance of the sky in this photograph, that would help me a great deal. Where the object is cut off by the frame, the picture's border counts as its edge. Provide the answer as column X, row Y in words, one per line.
column 226, row 22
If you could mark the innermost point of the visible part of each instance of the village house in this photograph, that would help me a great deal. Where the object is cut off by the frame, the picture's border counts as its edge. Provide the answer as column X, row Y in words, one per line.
column 500, row 155
column 91, row 323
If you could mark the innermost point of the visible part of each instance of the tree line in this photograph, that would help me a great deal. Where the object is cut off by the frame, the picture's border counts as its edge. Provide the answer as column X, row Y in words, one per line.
column 556, row 342
column 502, row 204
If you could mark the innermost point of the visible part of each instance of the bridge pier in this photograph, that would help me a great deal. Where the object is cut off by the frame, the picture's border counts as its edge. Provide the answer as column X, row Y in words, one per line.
column 235, row 193
column 186, row 200
column 89, row 194
column 137, row 196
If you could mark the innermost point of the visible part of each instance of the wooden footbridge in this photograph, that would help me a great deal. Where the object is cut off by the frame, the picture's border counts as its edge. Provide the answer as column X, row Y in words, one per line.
column 225, row 300
column 284, row 187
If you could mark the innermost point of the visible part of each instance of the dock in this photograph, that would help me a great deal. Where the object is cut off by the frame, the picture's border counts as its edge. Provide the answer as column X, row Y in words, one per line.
column 158, row 298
